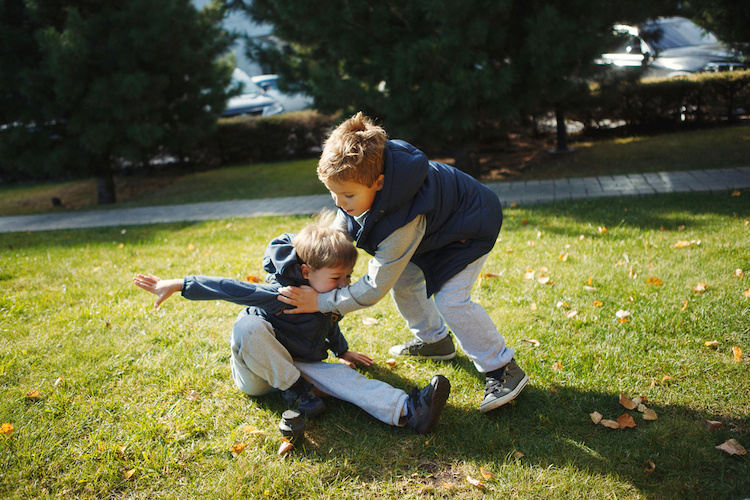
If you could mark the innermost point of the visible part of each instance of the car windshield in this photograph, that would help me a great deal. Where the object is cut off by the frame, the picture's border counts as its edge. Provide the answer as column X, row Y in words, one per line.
column 676, row 33
column 240, row 78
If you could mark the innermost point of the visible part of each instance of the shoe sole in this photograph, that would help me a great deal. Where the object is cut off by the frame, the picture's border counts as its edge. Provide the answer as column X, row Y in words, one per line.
column 397, row 351
column 440, row 393
column 508, row 398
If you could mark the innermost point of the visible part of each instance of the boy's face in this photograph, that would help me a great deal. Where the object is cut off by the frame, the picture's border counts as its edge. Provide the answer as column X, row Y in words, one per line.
column 352, row 197
column 326, row 279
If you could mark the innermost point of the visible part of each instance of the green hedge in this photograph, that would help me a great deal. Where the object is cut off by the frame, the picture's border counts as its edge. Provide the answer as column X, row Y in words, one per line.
column 252, row 139
column 667, row 103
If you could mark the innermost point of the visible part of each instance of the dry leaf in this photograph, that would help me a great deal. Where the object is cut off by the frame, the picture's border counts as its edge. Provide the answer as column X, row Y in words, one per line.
column 571, row 314
column 193, row 396
column 738, row 273
column 736, row 193
column 700, row 287
column 529, row 274
column 474, row 482
column 627, row 402
column 543, row 279
column 120, row 450
column 649, row 414
column 58, row 381
column 129, row 474
column 518, row 454
column 33, row 395
column 732, row 446
column 449, row 486
column 557, row 366
column 684, row 305
column 654, row 281
column 563, row 257
column 609, row 423
column 6, row 429
column 485, row 473
column 682, row 244
column 533, row 342
column 591, row 281
column 625, row 421
column 390, row 362
column 370, row 321
column 737, row 354
column 254, row 279
column 598, row 303
column 552, row 390
column 642, row 408
column 238, row 448
column 251, row 429
column 596, row 417
column 492, row 275
column 622, row 314
column 650, row 466
column 632, row 274
column 715, row 424
column 589, row 288
column 286, row 447
column 666, row 378
column 746, row 293
column 602, row 230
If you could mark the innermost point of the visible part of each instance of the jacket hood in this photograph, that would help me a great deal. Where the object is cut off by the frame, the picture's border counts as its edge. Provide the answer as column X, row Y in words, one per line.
column 281, row 262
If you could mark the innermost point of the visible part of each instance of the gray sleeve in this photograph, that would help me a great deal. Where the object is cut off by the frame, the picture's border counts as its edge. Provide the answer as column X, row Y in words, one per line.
column 384, row 268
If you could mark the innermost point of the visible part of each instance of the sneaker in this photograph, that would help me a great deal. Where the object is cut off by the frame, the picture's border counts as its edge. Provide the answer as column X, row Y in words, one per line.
column 442, row 350
column 503, row 385
column 423, row 407
column 300, row 396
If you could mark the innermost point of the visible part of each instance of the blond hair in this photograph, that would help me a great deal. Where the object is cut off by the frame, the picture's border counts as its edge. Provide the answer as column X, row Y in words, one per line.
column 319, row 246
column 353, row 152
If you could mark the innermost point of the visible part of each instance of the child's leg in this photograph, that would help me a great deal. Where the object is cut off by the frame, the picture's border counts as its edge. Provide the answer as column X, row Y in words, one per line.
column 420, row 312
column 470, row 323
column 377, row 398
column 259, row 362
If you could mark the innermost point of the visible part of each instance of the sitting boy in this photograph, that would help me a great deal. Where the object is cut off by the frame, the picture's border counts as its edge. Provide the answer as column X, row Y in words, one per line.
column 429, row 228
column 277, row 351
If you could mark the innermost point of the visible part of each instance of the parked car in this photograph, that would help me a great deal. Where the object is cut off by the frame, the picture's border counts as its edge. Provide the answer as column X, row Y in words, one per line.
column 253, row 100
column 668, row 47
column 291, row 102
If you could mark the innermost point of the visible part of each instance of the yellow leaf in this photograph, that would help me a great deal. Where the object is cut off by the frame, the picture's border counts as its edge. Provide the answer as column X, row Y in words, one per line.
column 449, row 486
column 684, row 305
column 625, row 421
column 238, row 448
column 191, row 247
column 627, row 402
column 557, row 366
column 129, row 474
column 598, row 303
column 737, row 354
column 732, row 447
column 649, row 414
column 700, row 287
column 682, row 244
column 286, row 447
column 746, row 293
column 602, row 230
column 596, row 417
column 591, row 281
column 736, row 193
column 533, row 342
column 563, row 257
column 193, row 395
column 251, row 429
column 6, row 429
column 474, row 482
column 33, row 395
column 485, row 473
column 654, row 281
column 529, row 275
column 254, row 279
column 738, row 273
column 390, row 362
column 711, row 343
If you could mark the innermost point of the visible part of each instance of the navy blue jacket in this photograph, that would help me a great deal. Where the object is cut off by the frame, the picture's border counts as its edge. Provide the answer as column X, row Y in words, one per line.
column 463, row 215
column 306, row 336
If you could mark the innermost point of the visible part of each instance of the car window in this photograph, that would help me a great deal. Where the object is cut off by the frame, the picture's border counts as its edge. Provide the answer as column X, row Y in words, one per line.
column 239, row 77
column 676, row 34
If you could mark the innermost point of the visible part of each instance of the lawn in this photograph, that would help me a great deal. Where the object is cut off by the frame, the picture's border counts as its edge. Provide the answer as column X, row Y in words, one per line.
column 106, row 398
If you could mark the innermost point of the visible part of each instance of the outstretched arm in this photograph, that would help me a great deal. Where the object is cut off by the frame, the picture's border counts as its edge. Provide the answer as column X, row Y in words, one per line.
column 163, row 289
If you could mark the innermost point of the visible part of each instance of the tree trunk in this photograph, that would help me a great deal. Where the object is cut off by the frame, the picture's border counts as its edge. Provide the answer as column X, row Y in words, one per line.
column 105, row 186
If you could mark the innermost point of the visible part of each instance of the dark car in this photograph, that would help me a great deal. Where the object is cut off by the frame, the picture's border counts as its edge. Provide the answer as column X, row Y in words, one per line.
column 668, row 47
column 253, row 101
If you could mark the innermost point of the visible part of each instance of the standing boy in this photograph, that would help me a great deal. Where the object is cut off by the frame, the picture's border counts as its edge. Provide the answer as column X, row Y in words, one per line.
column 429, row 228
column 275, row 351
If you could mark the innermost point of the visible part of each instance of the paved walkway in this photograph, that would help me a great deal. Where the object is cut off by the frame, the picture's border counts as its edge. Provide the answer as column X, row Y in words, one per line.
column 510, row 193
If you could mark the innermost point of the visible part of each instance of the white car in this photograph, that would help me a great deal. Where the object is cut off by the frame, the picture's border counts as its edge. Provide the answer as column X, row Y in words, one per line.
column 291, row 102
column 253, row 101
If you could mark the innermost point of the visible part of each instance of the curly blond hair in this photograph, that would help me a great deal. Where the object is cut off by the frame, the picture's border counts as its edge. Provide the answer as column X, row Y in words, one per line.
column 353, row 152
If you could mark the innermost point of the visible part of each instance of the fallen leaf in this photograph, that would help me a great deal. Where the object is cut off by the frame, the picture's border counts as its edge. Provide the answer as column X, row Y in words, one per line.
column 715, row 424
column 129, row 474
column 627, row 402
column 571, row 314
column 654, row 281
column 738, row 273
column 474, row 482
column 684, row 305
column 609, row 423
column 390, row 362
column 746, row 293
column 682, row 244
column 191, row 247
column 700, row 287
column 632, row 274
column 591, row 281
column 637, row 400
column 557, row 366
column 736, row 193
column 563, row 257
column 286, row 447
column 533, row 342
column 552, row 390
column 596, row 417
column 529, row 275
column 6, row 429
column 711, row 343
column 533, row 305
column 370, row 321
column 254, row 279
column 518, row 454
column 492, row 275
column 732, row 447
column 602, row 230
column 238, row 448
column 642, row 408
column 649, row 414
column 598, row 303
column 650, row 466
column 33, row 395
column 666, row 378
column 485, row 473
column 625, row 421
column 589, row 288
column 251, row 429
column 543, row 279
column 737, row 354
column 622, row 314
column 449, row 486
column 193, row 396
column 58, row 381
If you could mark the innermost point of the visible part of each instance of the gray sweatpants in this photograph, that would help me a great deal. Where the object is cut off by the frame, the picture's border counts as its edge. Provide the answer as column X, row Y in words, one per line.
column 260, row 364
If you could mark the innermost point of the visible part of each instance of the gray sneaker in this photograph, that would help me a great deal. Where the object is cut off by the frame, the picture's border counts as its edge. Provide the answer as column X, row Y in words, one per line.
column 503, row 385
column 442, row 350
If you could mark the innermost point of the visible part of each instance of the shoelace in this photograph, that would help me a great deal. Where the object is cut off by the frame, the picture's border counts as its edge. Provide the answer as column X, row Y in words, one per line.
column 494, row 383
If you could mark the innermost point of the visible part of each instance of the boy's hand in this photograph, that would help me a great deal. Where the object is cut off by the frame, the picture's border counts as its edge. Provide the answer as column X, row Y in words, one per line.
column 163, row 289
column 303, row 298
column 351, row 359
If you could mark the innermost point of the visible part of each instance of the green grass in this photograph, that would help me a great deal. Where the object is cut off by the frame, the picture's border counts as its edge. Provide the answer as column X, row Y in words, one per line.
column 700, row 149
column 115, row 417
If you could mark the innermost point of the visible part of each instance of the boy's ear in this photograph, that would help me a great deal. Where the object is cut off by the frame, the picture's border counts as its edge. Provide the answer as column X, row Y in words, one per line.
column 305, row 270
column 380, row 182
